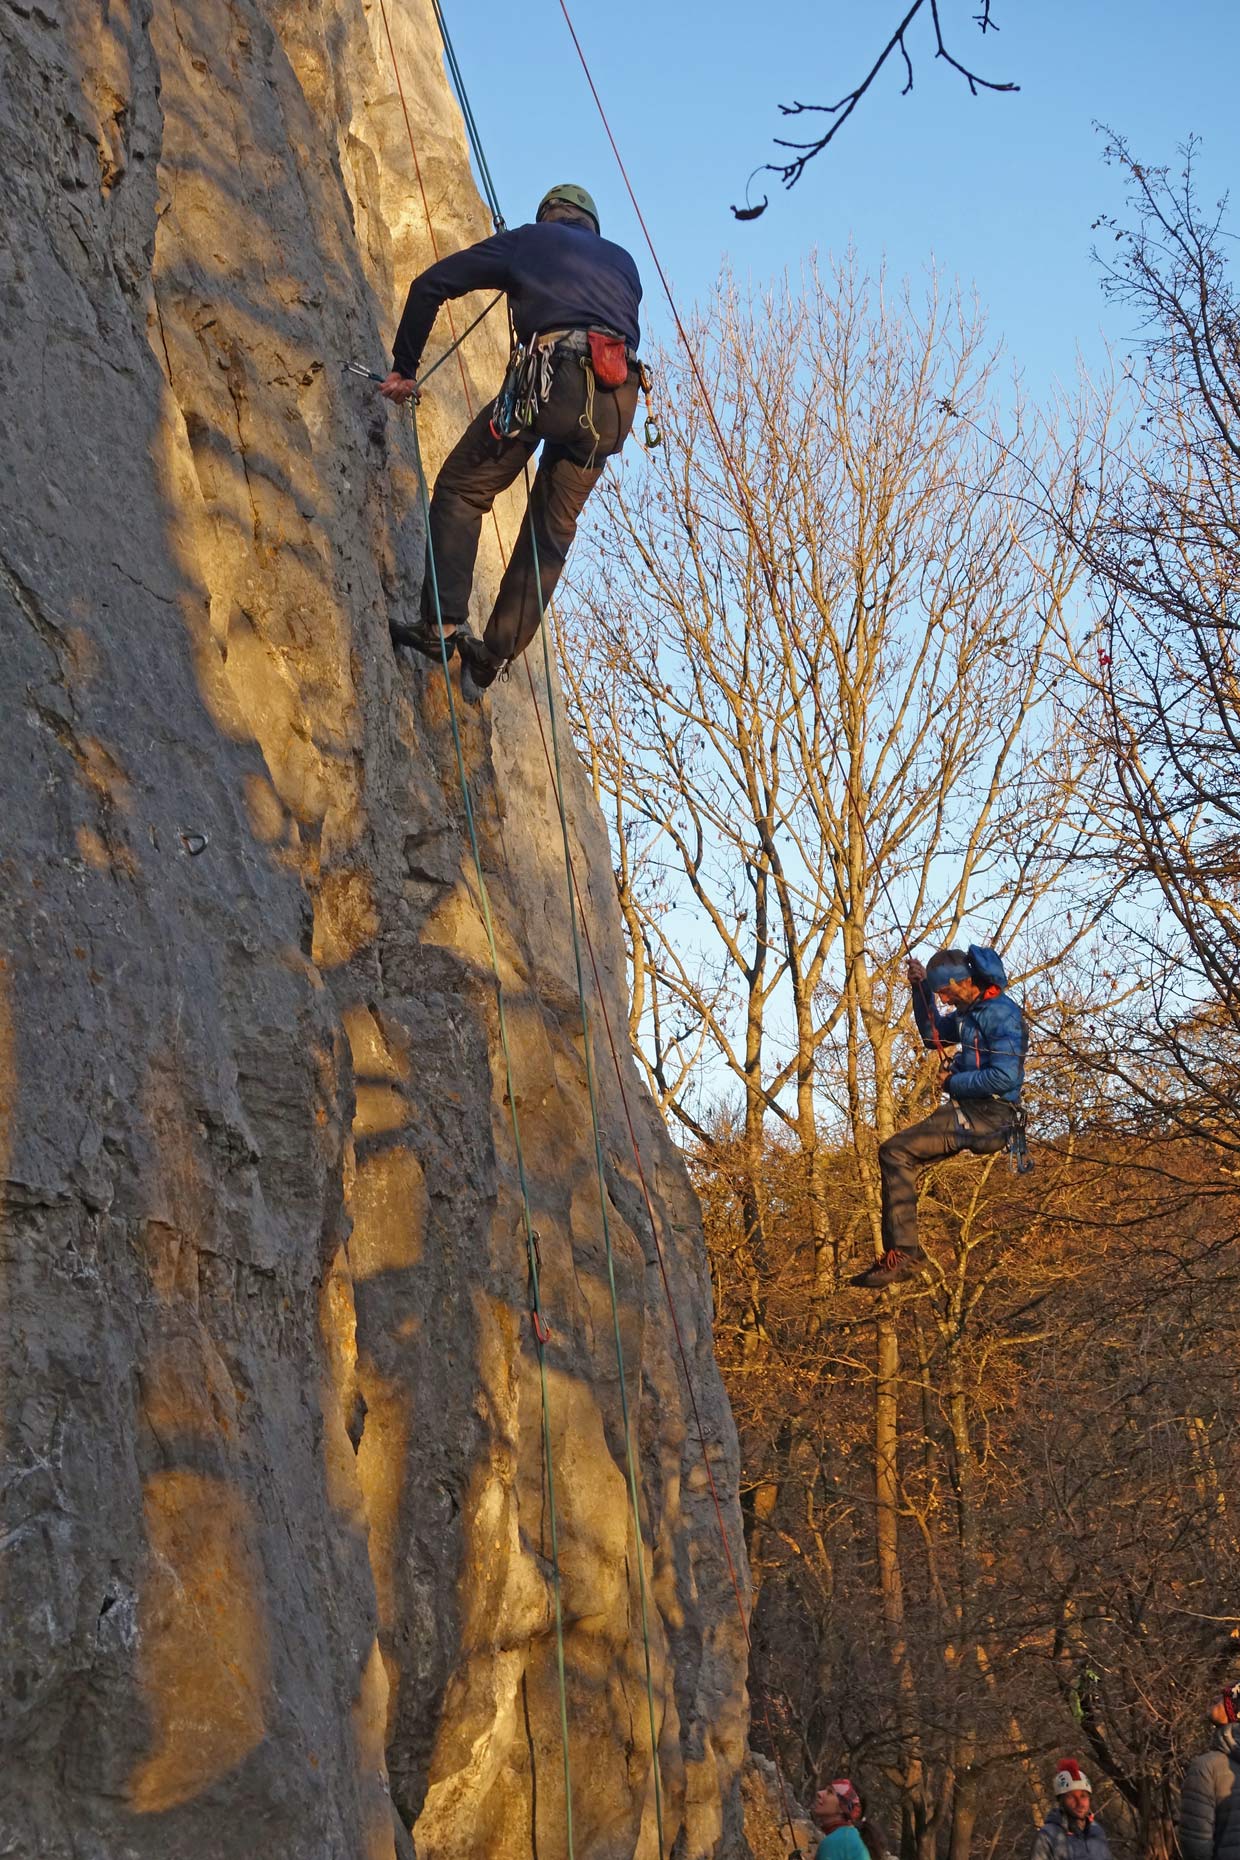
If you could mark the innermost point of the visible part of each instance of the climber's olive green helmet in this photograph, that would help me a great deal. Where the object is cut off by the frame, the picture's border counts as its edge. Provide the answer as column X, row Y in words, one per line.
column 571, row 196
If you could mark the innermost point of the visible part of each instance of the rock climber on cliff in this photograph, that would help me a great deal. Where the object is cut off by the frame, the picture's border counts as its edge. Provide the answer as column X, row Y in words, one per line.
column 982, row 1082
column 572, row 386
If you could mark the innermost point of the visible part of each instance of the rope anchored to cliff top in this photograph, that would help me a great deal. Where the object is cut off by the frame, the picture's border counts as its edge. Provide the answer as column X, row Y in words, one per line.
column 542, row 1332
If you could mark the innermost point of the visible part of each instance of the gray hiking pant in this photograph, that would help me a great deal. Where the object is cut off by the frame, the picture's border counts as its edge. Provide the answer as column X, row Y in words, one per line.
column 480, row 466
column 902, row 1157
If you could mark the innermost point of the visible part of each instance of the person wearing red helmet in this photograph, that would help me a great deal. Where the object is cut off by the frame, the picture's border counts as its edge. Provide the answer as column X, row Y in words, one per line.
column 1070, row 1831
column 1210, row 1798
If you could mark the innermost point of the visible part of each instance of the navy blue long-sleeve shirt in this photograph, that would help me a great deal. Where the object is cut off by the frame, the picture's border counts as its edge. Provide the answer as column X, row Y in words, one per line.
column 557, row 276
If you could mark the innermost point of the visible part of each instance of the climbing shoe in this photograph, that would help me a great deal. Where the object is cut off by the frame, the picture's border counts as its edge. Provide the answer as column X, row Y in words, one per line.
column 479, row 667
column 895, row 1265
column 425, row 638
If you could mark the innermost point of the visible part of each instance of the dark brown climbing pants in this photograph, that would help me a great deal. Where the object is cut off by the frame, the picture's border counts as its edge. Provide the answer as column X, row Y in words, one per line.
column 902, row 1158
column 480, row 466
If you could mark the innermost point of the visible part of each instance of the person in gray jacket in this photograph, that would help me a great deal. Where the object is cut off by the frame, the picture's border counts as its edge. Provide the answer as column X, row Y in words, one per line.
column 1070, row 1831
column 1210, row 1798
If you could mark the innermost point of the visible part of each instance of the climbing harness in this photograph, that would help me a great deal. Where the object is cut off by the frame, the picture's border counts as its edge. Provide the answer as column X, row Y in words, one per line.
column 987, row 1142
column 606, row 361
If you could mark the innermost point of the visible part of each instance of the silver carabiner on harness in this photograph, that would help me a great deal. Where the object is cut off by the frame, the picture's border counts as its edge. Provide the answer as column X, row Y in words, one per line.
column 505, row 420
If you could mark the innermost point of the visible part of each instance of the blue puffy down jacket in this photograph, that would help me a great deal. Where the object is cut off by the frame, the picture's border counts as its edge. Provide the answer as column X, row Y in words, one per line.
column 991, row 1034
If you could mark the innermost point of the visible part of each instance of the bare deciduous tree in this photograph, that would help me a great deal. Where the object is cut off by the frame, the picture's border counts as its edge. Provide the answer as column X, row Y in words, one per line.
column 807, row 677
column 1165, row 669
column 807, row 673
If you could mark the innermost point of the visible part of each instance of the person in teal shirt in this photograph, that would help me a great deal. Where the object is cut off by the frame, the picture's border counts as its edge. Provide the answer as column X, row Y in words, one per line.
column 846, row 1835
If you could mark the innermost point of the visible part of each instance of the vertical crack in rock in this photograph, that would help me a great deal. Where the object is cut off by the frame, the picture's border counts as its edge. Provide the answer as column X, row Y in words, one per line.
column 277, row 1573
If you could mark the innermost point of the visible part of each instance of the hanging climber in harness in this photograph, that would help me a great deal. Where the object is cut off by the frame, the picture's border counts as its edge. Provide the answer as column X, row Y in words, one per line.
column 982, row 1082
column 571, row 386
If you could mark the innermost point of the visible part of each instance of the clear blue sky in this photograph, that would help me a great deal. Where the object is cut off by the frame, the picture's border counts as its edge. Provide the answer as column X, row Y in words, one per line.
column 999, row 190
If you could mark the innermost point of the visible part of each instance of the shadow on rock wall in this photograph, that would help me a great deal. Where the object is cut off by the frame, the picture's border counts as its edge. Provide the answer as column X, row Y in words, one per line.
column 274, row 1484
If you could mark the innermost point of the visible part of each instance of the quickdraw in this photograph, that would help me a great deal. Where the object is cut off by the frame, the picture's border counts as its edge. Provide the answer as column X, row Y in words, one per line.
column 1019, row 1160
column 542, row 1330
column 653, row 437
column 525, row 387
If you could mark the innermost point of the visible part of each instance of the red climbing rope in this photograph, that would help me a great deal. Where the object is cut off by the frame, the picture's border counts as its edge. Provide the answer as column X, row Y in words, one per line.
column 745, row 499
column 724, row 448
column 430, row 227
column 417, row 169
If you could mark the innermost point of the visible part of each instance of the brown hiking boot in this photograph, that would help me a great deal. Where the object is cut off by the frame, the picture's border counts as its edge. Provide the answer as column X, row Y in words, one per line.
column 895, row 1265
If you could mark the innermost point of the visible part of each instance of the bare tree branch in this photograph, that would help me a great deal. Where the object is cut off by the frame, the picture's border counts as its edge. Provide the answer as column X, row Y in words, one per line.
column 790, row 172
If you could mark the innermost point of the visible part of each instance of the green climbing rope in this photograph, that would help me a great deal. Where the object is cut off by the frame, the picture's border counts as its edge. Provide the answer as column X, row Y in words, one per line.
column 480, row 157
column 531, row 1239
column 471, row 126
column 587, row 1043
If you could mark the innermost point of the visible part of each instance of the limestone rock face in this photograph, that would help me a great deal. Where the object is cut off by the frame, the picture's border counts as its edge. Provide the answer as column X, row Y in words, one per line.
column 276, row 1574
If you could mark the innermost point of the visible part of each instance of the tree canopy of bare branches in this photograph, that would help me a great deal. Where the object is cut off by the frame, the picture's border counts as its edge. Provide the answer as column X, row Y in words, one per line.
column 808, row 679
column 884, row 654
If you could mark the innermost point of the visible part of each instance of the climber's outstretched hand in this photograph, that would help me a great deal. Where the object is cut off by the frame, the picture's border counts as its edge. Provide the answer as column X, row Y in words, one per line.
column 400, row 388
